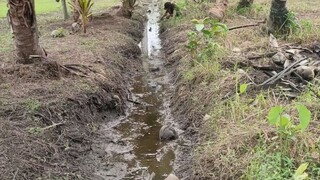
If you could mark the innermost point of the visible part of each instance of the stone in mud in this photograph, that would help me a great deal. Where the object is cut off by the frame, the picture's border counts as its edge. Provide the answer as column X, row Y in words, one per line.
column 58, row 33
column 153, row 84
column 154, row 69
column 279, row 58
column 172, row 177
column 307, row 72
column 167, row 133
column 75, row 27
column 159, row 88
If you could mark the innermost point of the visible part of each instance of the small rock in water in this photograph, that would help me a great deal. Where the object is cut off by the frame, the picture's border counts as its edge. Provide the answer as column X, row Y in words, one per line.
column 153, row 69
column 159, row 88
column 153, row 84
column 150, row 29
column 149, row 11
column 167, row 133
column 172, row 177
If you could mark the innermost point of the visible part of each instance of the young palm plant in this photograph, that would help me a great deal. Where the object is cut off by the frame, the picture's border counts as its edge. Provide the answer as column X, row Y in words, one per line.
column 83, row 7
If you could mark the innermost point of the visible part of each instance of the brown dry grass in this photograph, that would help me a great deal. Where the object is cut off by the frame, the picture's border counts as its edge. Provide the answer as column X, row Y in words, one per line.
column 227, row 142
column 83, row 82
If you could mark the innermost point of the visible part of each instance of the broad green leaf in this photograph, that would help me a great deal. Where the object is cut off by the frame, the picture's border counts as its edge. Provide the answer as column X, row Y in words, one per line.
column 214, row 21
column 274, row 114
column 304, row 116
column 300, row 174
column 199, row 27
column 207, row 20
column 223, row 26
column 243, row 88
column 191, row 34
column 284, row 121
column 301, row 177
column 207, row 33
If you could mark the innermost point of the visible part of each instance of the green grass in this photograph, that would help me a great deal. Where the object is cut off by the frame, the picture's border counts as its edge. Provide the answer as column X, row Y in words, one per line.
column 49, row 6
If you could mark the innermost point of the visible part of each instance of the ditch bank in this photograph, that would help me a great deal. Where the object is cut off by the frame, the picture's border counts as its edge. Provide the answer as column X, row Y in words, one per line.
column 181, row 102
column 94, row 108
column 53, row 113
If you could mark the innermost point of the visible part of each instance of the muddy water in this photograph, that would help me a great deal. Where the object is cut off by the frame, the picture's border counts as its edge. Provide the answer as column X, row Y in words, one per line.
column 153, row 158
column 136, row 152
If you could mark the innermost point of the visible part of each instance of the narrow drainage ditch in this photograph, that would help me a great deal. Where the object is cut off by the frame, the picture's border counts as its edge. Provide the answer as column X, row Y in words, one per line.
column 152, row 159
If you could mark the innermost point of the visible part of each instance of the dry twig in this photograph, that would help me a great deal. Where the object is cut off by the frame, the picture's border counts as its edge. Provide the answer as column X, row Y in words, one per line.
column 247, row 25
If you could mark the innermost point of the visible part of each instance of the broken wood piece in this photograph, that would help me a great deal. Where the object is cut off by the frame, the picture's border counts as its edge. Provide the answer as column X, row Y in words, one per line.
column 133, row 101
column 247, row 25
column 267, row 54
column 273, row 41
column 266, row 68
column 53, row 125
column 281, row 74
column 291, row 84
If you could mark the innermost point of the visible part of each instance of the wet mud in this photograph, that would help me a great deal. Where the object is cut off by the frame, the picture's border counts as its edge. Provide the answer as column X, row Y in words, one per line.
column 136, row 151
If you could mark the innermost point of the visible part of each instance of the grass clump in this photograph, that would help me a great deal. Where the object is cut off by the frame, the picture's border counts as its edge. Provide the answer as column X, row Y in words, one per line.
column 32, row 105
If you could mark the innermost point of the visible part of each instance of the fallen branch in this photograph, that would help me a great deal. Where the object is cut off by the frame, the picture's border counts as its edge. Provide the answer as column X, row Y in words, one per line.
column 282, row 73
column 266, row 68
column 53, row 125
column 73, row 72
column 291, row 84
column 133, row 101
column 268, row 54
column 247, row 25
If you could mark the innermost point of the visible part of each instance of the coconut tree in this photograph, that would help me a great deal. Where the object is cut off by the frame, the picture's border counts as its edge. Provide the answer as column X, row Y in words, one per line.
column 278, row 17
column 75, row 12
column 244, row 4
column 23, row 23
column 64, row 8
column 127, row 8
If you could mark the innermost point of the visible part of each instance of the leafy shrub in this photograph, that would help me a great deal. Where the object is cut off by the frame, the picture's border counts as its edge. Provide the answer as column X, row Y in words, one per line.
column 201, row 40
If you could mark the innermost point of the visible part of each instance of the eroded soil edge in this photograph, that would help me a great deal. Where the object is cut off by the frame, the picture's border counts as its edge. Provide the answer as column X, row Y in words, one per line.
column 52, row 113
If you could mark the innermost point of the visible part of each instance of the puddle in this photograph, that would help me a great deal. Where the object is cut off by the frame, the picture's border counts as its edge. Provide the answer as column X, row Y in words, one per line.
column 133, row 149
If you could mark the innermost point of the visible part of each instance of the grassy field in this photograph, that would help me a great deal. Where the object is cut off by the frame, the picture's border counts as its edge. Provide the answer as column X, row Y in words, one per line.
column 49, row 6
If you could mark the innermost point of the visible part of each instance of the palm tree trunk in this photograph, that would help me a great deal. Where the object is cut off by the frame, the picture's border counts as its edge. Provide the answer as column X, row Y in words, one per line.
column 244, row 4
column 127, row 8
column 278, row 17
column 65, row 10
column 22, row 19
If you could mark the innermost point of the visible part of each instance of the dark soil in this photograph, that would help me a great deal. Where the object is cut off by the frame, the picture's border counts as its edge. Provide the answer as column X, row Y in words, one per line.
column 51, row 112
column 186, row 115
